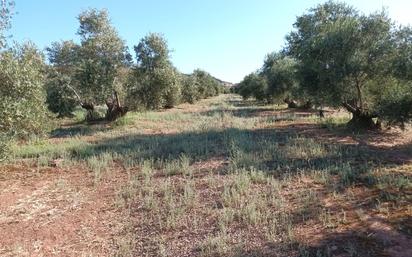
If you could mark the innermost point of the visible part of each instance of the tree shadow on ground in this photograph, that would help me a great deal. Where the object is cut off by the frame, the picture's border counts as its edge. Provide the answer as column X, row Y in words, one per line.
column 270, row 150
column 282, row 152
column 272, row 113
column 245, row 103
column 352, row 242
column 244, row 112
column 278, row 152
column 79, row 129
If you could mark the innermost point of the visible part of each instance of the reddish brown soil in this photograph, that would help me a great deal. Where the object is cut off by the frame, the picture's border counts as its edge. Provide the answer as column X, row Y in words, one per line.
column 55, row 212
column 52, row 211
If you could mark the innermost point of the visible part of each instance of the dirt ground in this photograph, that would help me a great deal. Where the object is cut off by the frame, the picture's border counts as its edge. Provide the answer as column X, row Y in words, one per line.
column 55, row 212
column 59, row 211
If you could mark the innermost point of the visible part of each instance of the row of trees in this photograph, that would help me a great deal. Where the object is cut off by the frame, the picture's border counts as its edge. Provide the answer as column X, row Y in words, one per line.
column 339, row 57
column 22, row 109
column 100, row 70
column 97, row 71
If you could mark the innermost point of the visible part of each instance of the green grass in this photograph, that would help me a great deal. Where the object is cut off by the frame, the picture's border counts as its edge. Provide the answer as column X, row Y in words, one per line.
column 45, row 148
column 333, row 123
column 224, row 172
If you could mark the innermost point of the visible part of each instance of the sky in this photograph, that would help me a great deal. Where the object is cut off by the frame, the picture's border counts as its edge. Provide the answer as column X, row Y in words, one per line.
column 227, row 38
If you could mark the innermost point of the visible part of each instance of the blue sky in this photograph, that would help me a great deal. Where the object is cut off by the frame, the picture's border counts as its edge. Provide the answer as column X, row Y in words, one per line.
column 228, row 38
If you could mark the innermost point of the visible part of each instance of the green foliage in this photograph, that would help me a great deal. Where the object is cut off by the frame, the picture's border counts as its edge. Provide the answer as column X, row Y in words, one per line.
column 280, row 72
column 154, row 83
column 100, row 55
column 206, row 84
column 154, row 90
column 341, row 76
column 275, row 81
column 90, row 69
column 395, row 106
column 152, row 53
column 403, row 55
column 337, row 57
column 254, row 85
column 60, row 98
column 172, row 95
column 61, row 76
column 190, row 92
column 6, row 13
column 200, row 85
column 64, row 56
column 4, row 146
column 22, row 109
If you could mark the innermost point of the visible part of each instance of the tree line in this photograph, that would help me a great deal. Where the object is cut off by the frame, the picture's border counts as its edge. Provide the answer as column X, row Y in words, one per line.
column 99, row 70
column 339, row 57
column 101, row 65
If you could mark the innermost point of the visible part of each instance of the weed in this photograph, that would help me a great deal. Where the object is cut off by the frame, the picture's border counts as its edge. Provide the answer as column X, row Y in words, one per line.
column 99, row 165
column 179, row 166
column 347, row 174
column 321, row 176
column 327, row 219
column 332, row 123
column 226, row 217
column 257, row 176
column 189, row 194
column 215, row 246
column 125, row 245
column 270, row 182
column 126, row 120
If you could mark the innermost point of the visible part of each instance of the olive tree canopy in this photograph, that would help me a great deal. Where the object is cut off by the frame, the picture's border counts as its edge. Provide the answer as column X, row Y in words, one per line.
column 342, row 57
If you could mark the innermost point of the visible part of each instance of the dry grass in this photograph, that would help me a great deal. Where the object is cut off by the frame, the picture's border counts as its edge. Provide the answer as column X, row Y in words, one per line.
column 219, row 178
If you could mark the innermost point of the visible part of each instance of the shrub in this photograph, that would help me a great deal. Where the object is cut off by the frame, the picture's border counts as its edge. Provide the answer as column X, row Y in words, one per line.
column 190, row 92
column 59, row 97
column 4, row 146
column 154, row 82
column 22, row 97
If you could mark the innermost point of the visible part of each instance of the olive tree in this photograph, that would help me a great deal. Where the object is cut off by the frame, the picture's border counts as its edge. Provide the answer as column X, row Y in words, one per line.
column 274, row 82
column 22, row 97
column 22, row 108
column 395, row 105
column 6, row 14
column 101, row 54
column 154, row 81
column 206, row 84
column 280, row 73
column 61, row 77
column 342, row 57
column 254, row 85
column 59, row 96
column 190, row 90
column 90, row 69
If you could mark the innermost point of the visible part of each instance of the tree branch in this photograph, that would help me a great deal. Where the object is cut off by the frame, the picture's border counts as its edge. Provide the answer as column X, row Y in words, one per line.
column 117, row 98
column 77, row 95
column 87, row 106
column 349, row 107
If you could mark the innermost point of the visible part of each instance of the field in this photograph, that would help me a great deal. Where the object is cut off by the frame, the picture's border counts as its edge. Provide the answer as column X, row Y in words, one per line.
column 222, row 177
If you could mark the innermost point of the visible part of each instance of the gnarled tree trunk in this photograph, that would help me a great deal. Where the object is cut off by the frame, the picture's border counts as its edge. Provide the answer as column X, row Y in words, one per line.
column 291, row 103
column 114, row 108
column 89, row 107
column 307, row 105
column 361, row 119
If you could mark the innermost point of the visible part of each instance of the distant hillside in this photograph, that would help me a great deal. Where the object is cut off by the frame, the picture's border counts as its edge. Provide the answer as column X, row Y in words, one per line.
column 224, row 83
